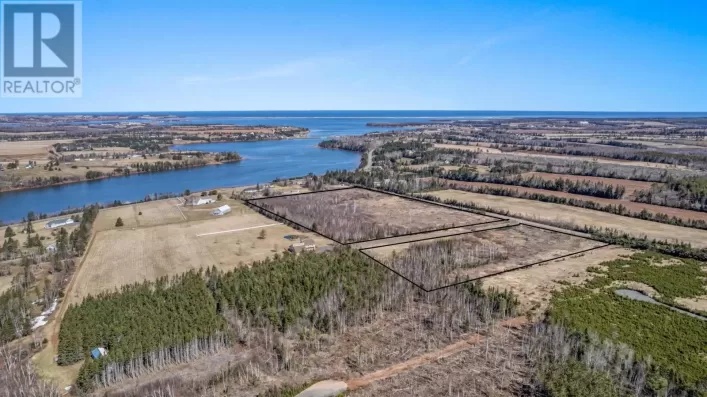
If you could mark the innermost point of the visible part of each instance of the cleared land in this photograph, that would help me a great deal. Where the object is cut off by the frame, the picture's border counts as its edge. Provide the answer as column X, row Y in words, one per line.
column 430, row 235
column 443, row 261
column 472, row 148
column 352, row 215
column 579, row 216
column 629, row 185
column 120, row 256
column 535, row 285
column 599, row 160
column 631, row 205
column 27, row 150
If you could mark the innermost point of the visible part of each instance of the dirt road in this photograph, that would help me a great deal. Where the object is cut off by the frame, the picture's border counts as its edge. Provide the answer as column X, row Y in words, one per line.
column 427, row 358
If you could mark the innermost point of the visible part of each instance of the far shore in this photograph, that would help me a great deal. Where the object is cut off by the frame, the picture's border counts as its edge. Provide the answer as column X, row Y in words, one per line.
column 109, row 176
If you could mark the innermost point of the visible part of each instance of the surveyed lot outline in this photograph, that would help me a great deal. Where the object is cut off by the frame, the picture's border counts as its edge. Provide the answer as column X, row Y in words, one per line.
column 253, row 203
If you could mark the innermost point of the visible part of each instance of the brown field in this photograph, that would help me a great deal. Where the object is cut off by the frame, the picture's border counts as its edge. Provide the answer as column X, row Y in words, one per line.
column 472, row 148
column 629, row 185
column 120, row 256
column 478, row 254
column 598, row 160
column 580, row 216
column 357, row 214
column 27, row 150
column 535, row 285
column 632, row 206
column 152, row 213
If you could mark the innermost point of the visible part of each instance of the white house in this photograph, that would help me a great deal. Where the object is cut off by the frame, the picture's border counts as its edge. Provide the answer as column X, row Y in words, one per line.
column 193, row 200
column 59, row 223
column 204, row 201
column 222, row 210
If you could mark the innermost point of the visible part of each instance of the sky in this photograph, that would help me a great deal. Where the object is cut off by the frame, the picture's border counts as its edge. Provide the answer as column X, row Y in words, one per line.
column 600, row 55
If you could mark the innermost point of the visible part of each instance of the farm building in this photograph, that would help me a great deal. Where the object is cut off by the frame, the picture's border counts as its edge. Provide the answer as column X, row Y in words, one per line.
column 194, row 201
column 303, row 245
column 59, row 223
column 222, row 210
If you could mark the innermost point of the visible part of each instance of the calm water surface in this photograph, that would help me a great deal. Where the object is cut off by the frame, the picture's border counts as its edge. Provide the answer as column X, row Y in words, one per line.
column 264, row 162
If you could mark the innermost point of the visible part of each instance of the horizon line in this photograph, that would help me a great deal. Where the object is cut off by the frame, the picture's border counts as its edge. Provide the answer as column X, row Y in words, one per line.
column 149, row 112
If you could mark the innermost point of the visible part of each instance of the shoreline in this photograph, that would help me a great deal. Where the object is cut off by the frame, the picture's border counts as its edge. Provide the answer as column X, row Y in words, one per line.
column 23, row 189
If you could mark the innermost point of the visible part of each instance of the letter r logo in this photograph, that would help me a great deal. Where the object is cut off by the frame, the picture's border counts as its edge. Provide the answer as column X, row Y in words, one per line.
column 38, row 39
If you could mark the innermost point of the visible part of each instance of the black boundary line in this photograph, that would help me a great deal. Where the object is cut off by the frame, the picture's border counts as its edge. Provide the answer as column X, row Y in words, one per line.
column 562, row 232
column 517, row 268
column 497, row 219
column 393, row 270
column 440, row 237
column 425, row 232
column 492, row 274
column 288, row 221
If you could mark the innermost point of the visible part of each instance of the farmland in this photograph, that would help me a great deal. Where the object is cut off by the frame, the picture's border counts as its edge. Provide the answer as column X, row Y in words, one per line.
column 352, row 215
column 161, row 242
column 407, row 296
column 27, row 150
column 630, row 185
column 558, row 213
column 474, row 148
column 438, row 262
column 629, row 205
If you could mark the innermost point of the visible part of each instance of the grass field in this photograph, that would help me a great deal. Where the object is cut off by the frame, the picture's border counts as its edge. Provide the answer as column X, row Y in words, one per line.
column 442, row 261
column 520, row 154
column 580, row 216
column 535, row 285
column 161, row 243
column 472, row 148
column 629, row 185
column 27, row 150
column 357, row 214
column 632, row 206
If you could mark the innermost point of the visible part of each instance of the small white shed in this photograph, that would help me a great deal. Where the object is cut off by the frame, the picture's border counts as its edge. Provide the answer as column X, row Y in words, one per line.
column 222, row 210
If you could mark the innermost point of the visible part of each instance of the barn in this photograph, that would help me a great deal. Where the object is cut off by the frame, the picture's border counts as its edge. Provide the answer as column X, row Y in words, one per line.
column 59, row 223
column 194, row 201
column 222, row 210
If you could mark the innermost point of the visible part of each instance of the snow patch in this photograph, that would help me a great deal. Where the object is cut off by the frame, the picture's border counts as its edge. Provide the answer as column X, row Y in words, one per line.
column 41, row 320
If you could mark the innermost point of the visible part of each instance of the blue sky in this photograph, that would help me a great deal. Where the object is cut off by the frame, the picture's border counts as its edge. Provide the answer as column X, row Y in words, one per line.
column 161, row 55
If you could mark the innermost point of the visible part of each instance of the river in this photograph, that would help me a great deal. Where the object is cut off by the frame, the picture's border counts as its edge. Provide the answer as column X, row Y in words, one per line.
column 264, row 161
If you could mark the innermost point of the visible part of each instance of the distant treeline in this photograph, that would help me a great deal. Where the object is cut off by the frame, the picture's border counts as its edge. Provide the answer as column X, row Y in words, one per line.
column 344, row 144
column 650, row 156
column 586, row 188
column 607, row 235
column 688, row 193
column 619, row 209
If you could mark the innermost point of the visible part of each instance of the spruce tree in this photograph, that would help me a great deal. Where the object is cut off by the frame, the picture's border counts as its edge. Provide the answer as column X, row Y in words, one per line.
column 9, row 232
column 119, row 222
